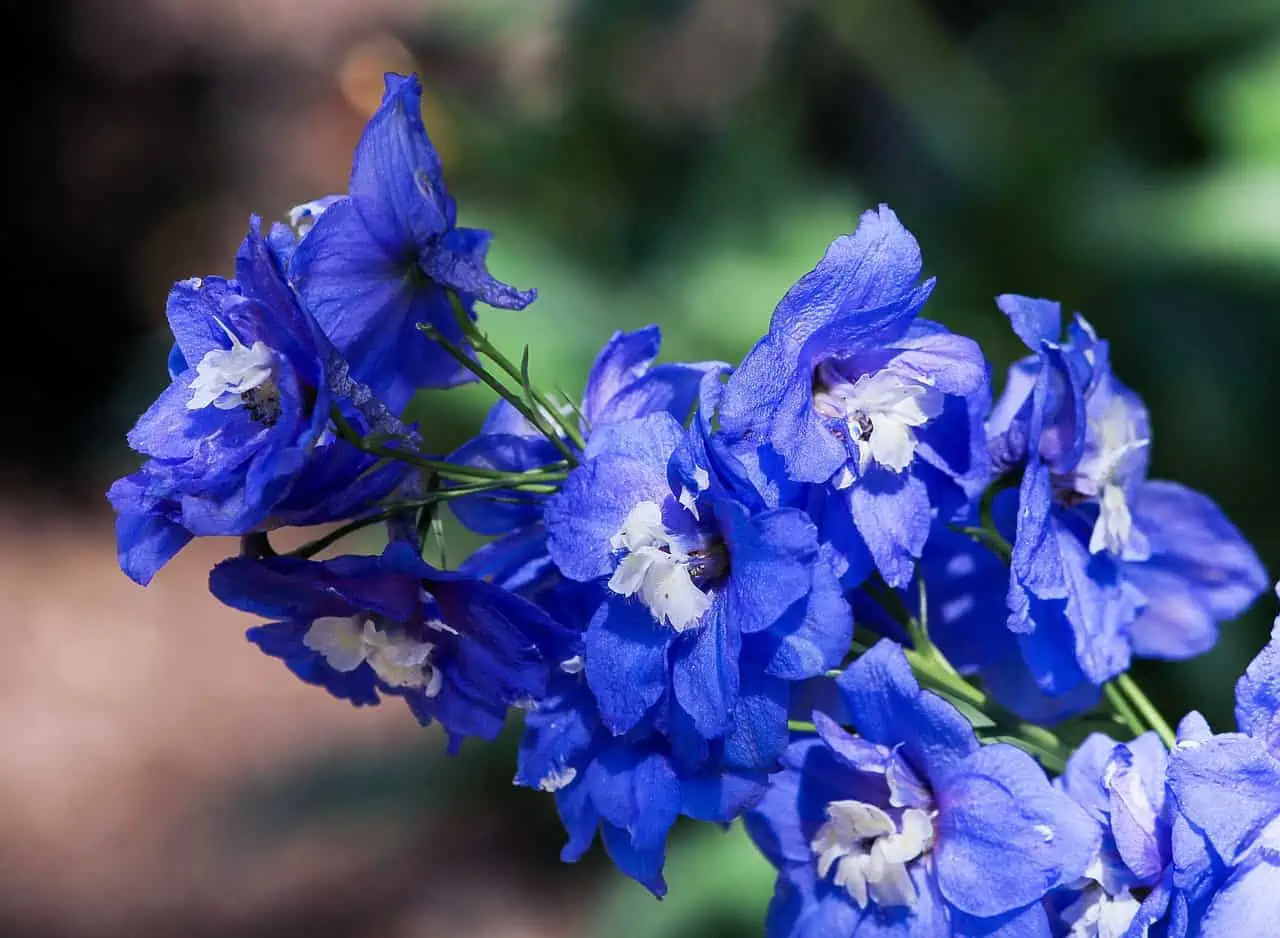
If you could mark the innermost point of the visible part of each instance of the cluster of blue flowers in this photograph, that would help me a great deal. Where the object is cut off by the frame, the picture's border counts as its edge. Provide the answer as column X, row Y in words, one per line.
column 836, row 591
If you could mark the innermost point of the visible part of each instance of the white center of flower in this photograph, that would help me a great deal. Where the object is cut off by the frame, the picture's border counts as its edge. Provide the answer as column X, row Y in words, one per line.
column 870, row 854
column 225, row 375
column 557, row 778
column 1103, row 473
column 655, row 566
column 882, row 411
column 1098, row 914
column 398, row 660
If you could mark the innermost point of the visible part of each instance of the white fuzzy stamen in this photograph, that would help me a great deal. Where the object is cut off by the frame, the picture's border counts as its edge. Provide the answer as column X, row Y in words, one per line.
column 882, row 411
column 398, row 660
column 1103, row 473
column 655, row 566
column 558, row 778
column 223, row 376
column 870, row 854
column 1097, row 914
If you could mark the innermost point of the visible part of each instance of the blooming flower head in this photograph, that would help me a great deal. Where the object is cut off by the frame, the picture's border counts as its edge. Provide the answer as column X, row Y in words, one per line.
column 375, row 265
column 623, row 384
column 913, row 827
column 877, row 409
column 238, row 441
column 1106, row 563
column 1129, row 883
column 1226, row 839
column 629, row 788
column 459, row 651
column 710, row 602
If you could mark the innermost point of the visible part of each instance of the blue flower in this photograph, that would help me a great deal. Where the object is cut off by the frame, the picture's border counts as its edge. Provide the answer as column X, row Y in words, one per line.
column 913, row 827
column 375, row 265
column 457, row 650
column 1106, row 563
column 623, row 384
column 1123, row 788
column 712, row 602
column 629, row 788
column 239, row 440
column 1226, row 838
column 856, row 395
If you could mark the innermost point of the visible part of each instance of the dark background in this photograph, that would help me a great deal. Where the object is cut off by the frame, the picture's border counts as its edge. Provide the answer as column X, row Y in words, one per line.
column 670, row 161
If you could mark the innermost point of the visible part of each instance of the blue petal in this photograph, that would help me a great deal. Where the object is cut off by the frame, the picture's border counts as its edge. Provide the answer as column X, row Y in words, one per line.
column 1201, row 571
column 624, row 358
column 892, row 513
column 1005, row 836
column 369, row 303
column 759, row 732
column 704, row 670
column 458, row 262
column 591, row 508
column 1249, row 903
column 193, row 309
column 1034, row 321
column 1028, row 922
column 889, row 708
column 626, row 662
column 870, row 269
column 814, row 636
column 1258, row 695
column 1228, row 787
column 145, row 543
column 772, row 558
column 396, row 179
column 719, row 797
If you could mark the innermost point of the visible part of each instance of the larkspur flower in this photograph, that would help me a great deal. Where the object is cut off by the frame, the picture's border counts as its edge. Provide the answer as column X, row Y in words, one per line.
column 1226, row 787
column 623, row 384
column 375, row 265
column 239, row 442
column 630, row 788
column 880, row 411
column 712, row 604
column 913, row 827
column 458, row 650
column 1106, row 563
column 1127, row 889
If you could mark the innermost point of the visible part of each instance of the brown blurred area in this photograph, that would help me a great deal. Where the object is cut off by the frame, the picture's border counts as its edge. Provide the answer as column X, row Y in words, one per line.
column 160, row 776
column 138, row 725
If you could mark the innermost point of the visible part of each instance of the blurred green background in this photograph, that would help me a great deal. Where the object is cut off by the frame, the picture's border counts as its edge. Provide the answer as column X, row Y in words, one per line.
column 683, row 162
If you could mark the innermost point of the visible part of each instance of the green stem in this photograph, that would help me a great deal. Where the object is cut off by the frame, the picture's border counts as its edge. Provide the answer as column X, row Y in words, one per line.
column 539, row 485
column 1121, row 706
column 447, row 469
column 519, row 375
column 500, row 389
column 989, row 538
column 1146, row 708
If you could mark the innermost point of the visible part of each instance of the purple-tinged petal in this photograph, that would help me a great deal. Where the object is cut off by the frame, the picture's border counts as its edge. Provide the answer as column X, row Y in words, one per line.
column 893, row 514
column 1034, row 321
column 1005, row 836
column 624, row 359
column 1258, row 695
column 396, row 179
column 1201, row 572
column 1248, row 904
column 1228, row 787
column 867, row 270
column 889, row 708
